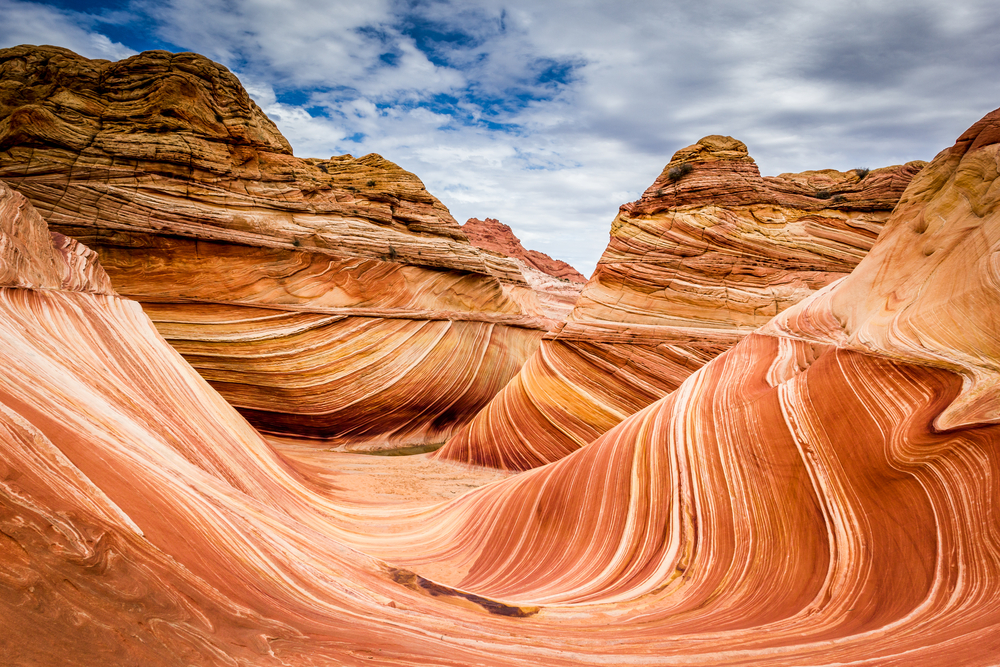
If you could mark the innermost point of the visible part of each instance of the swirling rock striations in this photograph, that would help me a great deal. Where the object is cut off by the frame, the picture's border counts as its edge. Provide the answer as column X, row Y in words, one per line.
column 710, row 252
column 824, row 493
column 555, row 284
column 142, row 519
column 333, row 299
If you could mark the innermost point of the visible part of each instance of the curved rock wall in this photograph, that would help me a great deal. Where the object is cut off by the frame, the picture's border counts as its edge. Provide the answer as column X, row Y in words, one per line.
column 822, row 493
column 825, row 492
column 709, row 253
column 163, row 165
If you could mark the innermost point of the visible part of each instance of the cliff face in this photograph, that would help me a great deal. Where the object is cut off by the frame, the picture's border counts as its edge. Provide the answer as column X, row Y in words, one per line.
column 825, row 492
column 554, row 285
column 492, row 235
column 323, row 298
column 710, row 252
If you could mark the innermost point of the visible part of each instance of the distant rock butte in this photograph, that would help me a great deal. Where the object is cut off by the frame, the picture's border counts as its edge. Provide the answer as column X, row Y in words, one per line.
column 710, row 252
column 555, row 284
column 491, row 234
column 334, row 299
column 32, row 257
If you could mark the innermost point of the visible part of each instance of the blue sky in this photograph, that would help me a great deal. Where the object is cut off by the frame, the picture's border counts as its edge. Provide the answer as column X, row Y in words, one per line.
column 549, row 115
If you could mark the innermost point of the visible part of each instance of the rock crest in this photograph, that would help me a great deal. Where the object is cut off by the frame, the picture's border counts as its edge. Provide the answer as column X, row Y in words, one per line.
column 710, row 252
column 307, row 280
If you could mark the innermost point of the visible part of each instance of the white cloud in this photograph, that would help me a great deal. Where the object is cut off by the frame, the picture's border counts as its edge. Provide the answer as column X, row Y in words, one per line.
column 32, row 23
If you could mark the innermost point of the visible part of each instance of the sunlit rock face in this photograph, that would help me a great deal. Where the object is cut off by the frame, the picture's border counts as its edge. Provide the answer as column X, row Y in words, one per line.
column 333, row 299
column 710, row 252
column 554, row 285
column 491, row 234
column 825, row 492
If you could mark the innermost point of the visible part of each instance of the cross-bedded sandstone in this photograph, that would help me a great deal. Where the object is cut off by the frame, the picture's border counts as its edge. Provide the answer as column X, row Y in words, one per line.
column 710, row 252
column 332, row 299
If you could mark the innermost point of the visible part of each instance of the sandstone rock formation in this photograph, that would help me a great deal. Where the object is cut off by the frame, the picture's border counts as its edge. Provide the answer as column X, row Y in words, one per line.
column 142, row 519
column 823, row 493
column 710, row 252
column 335, row 299
column 556, row 285
column 491, row 234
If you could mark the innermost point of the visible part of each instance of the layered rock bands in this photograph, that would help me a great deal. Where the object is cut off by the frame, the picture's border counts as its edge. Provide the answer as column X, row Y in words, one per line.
column 825, row 492
column 332, row 299
column 555, row 285
column 710, row 252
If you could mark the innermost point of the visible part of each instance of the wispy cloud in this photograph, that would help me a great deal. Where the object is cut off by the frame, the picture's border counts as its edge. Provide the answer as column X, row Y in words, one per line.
column 550, row 115
column 37, row 23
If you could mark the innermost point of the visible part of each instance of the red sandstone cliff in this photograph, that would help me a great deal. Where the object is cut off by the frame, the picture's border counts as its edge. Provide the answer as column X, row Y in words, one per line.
column 710, row 252
column 491, row 234
column 334, row 299
column 555, row 285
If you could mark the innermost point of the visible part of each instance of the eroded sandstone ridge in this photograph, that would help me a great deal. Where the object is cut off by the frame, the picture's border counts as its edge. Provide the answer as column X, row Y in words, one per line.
column 826, row 492
column 556, row 284
column 335, row 299
column 491, row 234
column 710, row 252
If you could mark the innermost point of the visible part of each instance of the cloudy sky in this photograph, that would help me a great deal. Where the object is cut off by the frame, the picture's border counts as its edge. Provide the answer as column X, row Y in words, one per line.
column 550, row 114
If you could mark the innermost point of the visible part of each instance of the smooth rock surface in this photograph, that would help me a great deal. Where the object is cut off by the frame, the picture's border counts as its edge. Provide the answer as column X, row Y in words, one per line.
column 824, row 493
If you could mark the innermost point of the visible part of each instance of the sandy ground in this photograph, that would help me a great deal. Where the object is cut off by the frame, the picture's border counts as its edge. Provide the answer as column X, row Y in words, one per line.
column 365, row 479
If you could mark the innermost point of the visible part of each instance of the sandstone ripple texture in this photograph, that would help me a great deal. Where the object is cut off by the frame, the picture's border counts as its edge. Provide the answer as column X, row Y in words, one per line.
column 710, row 252
column 331, row 299
column 826, row 492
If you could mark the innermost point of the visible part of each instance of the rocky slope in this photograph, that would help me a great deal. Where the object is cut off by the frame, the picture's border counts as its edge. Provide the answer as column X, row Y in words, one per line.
column 492, row 235
column 710, row 252
column 823, row 493
column 555, row 284
column 334, row 299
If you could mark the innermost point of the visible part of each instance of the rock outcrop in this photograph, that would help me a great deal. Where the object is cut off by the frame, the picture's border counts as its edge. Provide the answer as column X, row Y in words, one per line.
column 555, row 285
column 823, row 493
column 710, row 252
column 333, row 299
column 492, row 235
column 142, row 519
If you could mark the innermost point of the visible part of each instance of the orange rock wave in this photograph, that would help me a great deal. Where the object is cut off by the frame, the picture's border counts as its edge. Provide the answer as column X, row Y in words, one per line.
column 823, row 493
column 332, row 299
column 710, row 252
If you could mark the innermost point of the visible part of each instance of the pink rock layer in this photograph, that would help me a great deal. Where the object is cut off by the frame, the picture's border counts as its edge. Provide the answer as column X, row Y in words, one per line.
column 823, row 493
column 324, row 298
column 492, row 235
column 710, row 252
